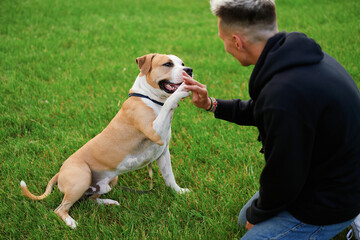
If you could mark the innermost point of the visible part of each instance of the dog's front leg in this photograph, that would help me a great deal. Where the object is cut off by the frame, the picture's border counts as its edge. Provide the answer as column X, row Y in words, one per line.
column 164, row 163
column 162, row 122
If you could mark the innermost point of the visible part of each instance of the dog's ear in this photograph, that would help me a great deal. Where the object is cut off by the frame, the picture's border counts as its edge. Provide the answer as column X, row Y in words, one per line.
column 144, row 63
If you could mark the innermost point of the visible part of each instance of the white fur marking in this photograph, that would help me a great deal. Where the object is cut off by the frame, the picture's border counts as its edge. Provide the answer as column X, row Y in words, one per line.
column 22, row 183
column 183, row 190
column 107, row 202
column 104, row 186
column 71, row 222
column 131, row 163
column 176, row 73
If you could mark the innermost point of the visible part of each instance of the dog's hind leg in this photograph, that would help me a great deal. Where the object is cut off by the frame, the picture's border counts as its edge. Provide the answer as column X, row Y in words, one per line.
column 96, row 198
column 63, row 212
column 104, row 187
column 113, row 181
column 73, row 182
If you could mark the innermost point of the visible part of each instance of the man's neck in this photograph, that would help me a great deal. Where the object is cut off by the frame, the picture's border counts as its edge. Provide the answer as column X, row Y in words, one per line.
column 255, row 50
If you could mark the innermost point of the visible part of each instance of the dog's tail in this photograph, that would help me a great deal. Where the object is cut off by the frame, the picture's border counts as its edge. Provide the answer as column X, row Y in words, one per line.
column 46, row 193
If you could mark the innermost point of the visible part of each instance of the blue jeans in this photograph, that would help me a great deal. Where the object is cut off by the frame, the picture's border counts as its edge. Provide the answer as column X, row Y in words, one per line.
column 285, row 226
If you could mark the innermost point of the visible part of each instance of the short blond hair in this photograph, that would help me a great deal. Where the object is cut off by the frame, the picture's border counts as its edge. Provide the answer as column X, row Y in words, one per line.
column 256, row 19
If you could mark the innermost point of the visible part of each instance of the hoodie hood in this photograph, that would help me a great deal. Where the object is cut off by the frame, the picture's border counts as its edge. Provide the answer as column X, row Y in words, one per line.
column 283, row 51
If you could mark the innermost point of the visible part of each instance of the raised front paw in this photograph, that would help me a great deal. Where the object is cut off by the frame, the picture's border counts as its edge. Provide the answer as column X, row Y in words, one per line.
column 181, row 92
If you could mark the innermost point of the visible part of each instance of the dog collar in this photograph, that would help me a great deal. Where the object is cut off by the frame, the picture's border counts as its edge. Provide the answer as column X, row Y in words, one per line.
column 143, row 96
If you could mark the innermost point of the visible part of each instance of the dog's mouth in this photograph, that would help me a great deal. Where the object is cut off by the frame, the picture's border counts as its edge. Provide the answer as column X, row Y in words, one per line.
column 169, row 87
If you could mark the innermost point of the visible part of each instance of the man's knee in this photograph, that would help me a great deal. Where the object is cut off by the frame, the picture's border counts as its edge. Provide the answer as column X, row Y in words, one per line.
column 242, row 218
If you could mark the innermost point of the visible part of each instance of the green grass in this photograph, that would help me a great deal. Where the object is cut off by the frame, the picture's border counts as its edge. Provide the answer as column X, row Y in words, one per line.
column 66, row 68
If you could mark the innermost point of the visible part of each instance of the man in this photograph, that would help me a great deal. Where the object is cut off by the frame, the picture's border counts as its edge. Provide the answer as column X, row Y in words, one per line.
column 307, row 109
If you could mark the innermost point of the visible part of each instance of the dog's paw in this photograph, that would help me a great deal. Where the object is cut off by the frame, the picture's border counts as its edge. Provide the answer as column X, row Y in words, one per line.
column 71, row 222
column 181, row 92
column 184, row 95
column 183, row 190
column 181, row 88
column 107, row 202
column 104, row 189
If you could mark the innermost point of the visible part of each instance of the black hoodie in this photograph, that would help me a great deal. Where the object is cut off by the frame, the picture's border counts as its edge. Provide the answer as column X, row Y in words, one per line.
column 307, row 109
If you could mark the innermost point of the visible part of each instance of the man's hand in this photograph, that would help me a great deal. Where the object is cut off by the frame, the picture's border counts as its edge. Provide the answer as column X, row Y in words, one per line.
column 200, row 96
column 249, row 225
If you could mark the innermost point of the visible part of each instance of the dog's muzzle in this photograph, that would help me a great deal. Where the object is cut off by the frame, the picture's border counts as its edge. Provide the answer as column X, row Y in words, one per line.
column 169, row 87
column 188, row 71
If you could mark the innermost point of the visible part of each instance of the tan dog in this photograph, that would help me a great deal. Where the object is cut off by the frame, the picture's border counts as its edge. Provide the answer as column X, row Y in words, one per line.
column 138, row 135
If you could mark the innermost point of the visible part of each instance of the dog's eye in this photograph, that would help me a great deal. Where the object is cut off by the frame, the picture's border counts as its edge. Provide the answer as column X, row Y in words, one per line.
column 168, row 64
column 182, row 64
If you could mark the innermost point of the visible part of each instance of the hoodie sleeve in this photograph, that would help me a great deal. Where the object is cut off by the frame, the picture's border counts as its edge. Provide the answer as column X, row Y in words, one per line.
column 236, row 111
column 288, row 146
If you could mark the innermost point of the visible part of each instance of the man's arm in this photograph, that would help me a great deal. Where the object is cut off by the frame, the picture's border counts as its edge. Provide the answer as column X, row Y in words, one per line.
column 236, row 111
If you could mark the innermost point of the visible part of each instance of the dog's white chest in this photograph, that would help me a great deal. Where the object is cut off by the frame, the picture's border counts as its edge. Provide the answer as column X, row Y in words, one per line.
column 150, row 154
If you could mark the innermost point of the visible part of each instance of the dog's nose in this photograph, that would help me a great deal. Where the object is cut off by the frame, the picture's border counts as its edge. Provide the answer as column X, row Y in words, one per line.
column 188, row 71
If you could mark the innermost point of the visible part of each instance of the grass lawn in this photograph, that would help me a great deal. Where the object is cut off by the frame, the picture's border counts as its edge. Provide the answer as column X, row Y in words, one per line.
column 65, row 70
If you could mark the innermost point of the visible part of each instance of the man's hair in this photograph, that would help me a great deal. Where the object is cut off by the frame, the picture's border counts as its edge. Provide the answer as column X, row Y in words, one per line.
column 256, row 19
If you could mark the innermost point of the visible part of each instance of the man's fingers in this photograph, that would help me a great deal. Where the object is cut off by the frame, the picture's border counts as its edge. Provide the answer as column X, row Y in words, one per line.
column 197, row 89
column 190, row 81
column 200, row 95
column 185, row 74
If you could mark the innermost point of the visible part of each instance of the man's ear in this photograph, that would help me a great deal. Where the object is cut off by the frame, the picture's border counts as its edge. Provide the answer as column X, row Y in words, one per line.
column 144, row 63
column 238, row 41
